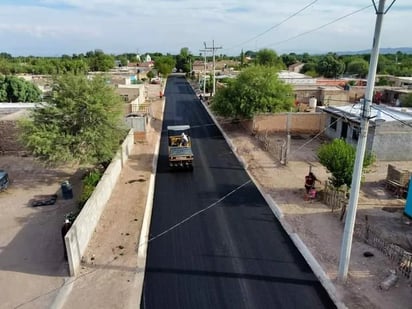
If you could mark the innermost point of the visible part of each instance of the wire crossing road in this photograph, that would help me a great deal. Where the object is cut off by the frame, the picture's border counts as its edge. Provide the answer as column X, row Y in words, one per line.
column 215, row 242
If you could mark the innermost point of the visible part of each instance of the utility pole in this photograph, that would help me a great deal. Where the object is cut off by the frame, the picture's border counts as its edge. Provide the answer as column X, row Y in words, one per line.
column 360, row 150
column 213, row 48
column 204, row 73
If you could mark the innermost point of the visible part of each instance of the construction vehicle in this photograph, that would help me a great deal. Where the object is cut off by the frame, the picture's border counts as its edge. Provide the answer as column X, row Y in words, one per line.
column 4, row 180
column 180, row 147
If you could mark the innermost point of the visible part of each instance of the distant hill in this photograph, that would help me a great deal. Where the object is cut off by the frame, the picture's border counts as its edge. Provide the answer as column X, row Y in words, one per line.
column 404, row 50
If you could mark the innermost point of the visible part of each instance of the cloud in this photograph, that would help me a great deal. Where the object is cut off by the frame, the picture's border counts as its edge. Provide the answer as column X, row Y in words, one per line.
column 166, row 25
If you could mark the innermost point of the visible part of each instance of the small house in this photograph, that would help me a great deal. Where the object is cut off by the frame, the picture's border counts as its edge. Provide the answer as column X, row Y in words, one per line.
column 389, row 134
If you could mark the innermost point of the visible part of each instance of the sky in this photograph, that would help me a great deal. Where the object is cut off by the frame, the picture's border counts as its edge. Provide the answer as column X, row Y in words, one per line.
column 57, row 27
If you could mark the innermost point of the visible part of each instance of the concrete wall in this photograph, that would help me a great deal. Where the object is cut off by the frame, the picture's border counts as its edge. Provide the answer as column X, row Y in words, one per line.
column 393, row 142
column 304, row 123
column 85, row 224
column 333, row 98
column 131, row 92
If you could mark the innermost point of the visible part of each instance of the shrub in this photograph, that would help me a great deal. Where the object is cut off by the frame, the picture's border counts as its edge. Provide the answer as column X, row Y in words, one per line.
column 90, row 182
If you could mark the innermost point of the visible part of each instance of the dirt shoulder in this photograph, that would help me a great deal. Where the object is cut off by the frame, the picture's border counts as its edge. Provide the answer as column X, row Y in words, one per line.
column 321, row 229
column 109, row 265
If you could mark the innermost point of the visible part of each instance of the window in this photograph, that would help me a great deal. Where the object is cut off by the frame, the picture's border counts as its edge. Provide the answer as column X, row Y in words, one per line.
column 333, row 123
column 355, row 133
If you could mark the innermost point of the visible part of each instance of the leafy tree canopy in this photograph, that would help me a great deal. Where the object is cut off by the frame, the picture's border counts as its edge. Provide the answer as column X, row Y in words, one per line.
column 99, row 61
column 256, row 90
column 183, row 60
column 330, row 66
column 82, row 123
column 268, row 57
column 407, row 100
column 165, row 64
column 339, row 158
column 358, row 67
column 15, row 89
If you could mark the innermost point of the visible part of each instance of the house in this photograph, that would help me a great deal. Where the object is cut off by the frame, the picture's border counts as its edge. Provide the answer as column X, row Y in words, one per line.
column 390, row 129
column 325, row 95
column 296, row 78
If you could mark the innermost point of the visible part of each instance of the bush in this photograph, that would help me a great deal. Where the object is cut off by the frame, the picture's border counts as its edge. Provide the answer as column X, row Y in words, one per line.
column 339, row 157
column 90, row 182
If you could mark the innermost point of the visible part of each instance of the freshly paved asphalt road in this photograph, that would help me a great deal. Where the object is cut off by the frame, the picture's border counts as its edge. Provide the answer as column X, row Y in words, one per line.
column 230, row 254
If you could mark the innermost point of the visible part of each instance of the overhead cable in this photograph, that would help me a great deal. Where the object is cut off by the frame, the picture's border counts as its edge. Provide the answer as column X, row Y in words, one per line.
column 274, row 26
column 322, row 26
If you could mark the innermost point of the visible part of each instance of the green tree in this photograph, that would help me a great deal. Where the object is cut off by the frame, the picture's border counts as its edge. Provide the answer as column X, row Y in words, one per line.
column 268, row 57
column 100, row 62
column 256, row 90
column 150, row 75
column 15, row 89
column 289, row 59
column 339, row 158
column 165, row 64
column 123, row 60
column 183, row 60
column 406, row 100
column 82, row 123
column 330, row 66
column 358, row 67
column 310, row 69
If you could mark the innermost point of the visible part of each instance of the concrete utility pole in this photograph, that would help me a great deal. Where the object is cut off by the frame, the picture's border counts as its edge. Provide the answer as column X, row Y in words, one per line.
column 204, row 51
column 213, row 48
column 360, row 150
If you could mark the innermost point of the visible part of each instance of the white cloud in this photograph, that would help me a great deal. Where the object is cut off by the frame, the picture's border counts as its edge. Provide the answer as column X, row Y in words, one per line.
column 167, row 25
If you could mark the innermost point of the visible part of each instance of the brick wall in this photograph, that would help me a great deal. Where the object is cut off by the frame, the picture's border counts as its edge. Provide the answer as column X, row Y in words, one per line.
column 300, row 123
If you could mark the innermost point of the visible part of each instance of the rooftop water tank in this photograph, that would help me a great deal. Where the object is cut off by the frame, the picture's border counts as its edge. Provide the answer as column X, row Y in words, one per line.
column 313, row 102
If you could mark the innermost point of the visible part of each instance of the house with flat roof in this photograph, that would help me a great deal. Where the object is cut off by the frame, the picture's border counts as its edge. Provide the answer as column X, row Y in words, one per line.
column 390, row 129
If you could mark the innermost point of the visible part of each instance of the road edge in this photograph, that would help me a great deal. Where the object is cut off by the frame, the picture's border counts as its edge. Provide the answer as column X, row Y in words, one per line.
column 135, row 298
column 300, row 245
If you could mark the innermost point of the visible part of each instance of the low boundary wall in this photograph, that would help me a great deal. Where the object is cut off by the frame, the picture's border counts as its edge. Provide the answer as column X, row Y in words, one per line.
column 80, row 233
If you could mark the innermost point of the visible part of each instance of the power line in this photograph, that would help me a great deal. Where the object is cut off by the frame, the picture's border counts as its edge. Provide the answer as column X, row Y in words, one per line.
column 274, row 26
column 213, row 48
column 392, row 116
column 322, row 26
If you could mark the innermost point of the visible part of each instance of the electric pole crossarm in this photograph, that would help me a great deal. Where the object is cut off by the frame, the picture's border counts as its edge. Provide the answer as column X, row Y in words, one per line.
column 213, row 48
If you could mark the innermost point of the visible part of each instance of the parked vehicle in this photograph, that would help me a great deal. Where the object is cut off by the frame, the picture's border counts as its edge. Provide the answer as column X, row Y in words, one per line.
column 4, row 180
column 180, row 147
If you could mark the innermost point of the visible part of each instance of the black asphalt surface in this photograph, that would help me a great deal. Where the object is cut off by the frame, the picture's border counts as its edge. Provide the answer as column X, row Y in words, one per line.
column 215, row 242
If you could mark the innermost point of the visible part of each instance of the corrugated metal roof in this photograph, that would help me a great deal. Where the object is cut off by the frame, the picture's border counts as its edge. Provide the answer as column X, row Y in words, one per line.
column 380, row 112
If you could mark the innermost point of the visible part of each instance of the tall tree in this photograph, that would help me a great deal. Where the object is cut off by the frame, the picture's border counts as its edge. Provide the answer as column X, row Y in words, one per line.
column 289, row 59
column 358, row 67
column 256, row 90
column 165, row 64
column 99, row 61
column 183, row 60
column 82, row 123
column 268, row 57
column 330, row 66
